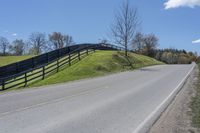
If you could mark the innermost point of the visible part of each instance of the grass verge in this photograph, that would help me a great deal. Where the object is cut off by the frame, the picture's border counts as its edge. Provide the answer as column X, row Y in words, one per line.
column 195, row 104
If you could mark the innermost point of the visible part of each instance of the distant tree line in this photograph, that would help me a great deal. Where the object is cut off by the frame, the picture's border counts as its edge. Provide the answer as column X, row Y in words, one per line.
column 36, row 44
column 147, row 45
column 174, row 56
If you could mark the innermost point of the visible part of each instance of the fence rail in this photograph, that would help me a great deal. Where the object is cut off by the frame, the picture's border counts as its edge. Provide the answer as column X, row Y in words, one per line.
column 21, row 73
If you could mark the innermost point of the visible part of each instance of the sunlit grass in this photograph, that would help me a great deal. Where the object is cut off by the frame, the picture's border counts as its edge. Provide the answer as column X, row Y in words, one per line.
column 5, row 60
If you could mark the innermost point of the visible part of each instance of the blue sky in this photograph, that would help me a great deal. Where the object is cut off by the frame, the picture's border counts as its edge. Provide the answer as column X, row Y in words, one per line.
column 175, row 22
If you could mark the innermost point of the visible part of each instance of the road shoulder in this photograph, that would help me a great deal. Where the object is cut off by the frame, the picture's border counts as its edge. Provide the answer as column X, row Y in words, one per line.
column 177, row 117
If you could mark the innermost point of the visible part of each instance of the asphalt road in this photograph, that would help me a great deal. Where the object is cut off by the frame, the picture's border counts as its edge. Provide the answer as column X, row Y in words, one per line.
column 127, row 102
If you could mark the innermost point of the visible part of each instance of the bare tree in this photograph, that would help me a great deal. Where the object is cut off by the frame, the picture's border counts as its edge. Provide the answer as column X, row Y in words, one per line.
column 57, row 39
column 18, row 47
column 138, row 42
column 68, row 40
column 3, row 45
column 27, row 47
column 125, row 25
column 37, row 41
column 60, row 40
column 150, row 42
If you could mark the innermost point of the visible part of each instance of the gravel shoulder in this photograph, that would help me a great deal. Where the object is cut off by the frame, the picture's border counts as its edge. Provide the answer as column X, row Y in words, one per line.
column 177, row 118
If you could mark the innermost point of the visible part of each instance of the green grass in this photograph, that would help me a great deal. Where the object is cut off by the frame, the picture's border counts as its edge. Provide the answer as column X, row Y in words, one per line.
column 98, row 64
column 5, row 60
column 195, row 104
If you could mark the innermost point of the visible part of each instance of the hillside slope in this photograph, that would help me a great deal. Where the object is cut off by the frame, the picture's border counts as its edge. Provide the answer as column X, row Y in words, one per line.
column 98, row 64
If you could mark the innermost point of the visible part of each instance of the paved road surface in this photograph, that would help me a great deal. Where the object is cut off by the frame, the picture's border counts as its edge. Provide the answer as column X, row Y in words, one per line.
column 121, row 103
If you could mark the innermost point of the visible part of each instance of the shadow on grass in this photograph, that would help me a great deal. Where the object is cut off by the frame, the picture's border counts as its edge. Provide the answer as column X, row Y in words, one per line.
column 130, row 64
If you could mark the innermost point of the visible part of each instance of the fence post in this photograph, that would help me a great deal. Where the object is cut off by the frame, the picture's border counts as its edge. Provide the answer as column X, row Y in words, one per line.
column 43, row 72
column 79, row 58
column 57, row 64
column 25, row 79
column 69, row 59
column 87, row 51
column 17, row 68
column 3, row 84
column 47, row 57
column 33, row 64
column 58, row 57
column 58, row 53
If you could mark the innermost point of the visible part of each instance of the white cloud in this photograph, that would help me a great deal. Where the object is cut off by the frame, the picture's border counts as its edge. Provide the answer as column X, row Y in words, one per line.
column 181, row 3
column 196, row 41
column 14, row 34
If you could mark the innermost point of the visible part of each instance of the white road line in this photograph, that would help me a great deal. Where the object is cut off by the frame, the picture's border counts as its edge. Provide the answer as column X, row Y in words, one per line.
column 144, row 126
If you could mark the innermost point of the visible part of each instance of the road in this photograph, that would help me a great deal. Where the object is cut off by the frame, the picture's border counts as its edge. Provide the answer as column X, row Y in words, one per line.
column 127, row 102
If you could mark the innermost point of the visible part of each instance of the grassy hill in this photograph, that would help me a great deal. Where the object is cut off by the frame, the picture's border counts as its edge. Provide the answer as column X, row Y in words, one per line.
column 5, row 60
column 98, row 64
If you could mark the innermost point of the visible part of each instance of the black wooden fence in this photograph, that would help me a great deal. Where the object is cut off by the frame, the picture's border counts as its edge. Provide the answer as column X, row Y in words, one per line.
column 23, row 72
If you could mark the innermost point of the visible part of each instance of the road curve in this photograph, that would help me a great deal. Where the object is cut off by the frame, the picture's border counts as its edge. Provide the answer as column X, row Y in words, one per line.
column 127, row 102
